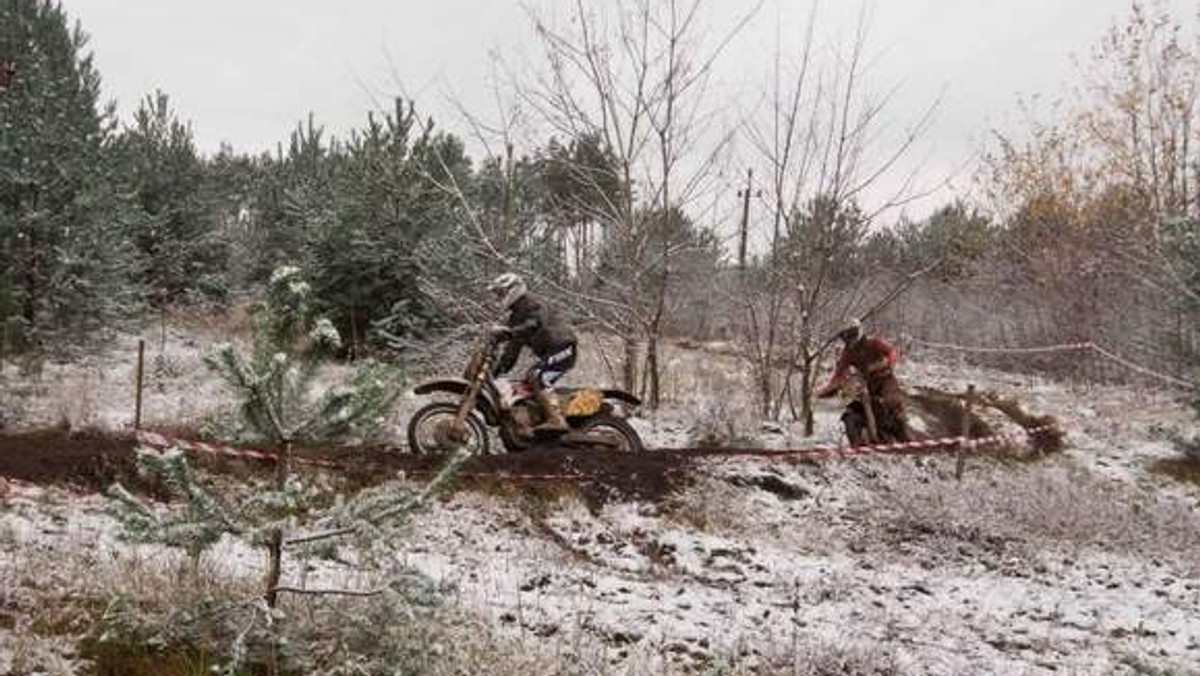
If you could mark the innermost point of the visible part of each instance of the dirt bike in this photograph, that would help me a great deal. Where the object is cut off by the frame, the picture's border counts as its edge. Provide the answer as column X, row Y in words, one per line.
column 595, row 416
column 863, row 426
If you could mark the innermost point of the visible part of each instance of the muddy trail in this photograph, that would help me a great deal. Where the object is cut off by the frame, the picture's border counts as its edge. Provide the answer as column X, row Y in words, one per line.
column 93, row 460
column 87, row 460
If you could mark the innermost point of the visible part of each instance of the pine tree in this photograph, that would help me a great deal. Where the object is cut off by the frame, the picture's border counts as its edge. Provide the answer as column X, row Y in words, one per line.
column 230, row 191
column 63, row 257
column 1181, row 248
column 176, row 234
column 275, row 405
column 369, row 247
column 195, row 527
column 371, row 217
column 292, row 195
column 273, row 387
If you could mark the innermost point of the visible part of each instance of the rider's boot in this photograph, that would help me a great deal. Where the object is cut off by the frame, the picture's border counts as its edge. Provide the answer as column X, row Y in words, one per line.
column 554, row 423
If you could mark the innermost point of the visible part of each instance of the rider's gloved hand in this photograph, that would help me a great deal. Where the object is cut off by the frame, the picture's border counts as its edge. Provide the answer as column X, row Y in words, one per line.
column 499, row 332
column 531, row 376
column 826, row 392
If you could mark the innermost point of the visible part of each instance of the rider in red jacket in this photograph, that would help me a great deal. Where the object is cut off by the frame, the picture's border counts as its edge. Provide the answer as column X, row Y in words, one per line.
column 874, row 359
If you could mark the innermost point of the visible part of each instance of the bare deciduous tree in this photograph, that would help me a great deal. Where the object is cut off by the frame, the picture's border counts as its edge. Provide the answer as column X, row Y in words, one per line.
column 823, row 141
column 627, row 85
column 1086, row 197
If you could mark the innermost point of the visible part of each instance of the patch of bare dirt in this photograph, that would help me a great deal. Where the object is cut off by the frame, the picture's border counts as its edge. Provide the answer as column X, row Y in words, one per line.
column 93, row 460
column 87, row 459
column 600, row 476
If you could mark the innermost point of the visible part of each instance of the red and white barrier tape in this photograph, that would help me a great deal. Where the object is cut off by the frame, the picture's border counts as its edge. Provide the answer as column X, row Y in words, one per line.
column 1065, row 347
column 506, row 476
column 1141, row 369
column 162, row 441
column 898, row 447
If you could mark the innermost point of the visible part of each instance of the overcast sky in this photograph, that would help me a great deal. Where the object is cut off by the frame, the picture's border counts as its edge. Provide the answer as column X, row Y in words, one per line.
column 245, row 71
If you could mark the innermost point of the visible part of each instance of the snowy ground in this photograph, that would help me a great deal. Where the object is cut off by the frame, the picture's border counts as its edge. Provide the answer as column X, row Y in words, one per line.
column 1084, row 562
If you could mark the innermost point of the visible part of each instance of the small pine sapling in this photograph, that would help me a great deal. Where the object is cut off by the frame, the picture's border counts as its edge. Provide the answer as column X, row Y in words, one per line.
column 276, row 406
column 194, row 527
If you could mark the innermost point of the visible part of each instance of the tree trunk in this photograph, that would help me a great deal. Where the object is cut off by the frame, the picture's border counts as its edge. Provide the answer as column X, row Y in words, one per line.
column 630, row 364
column 806, row 395
column 652, row 368
column 275, row 545
column 30, row 302
column 508, row 237
column 765, row 371
column 353, row 332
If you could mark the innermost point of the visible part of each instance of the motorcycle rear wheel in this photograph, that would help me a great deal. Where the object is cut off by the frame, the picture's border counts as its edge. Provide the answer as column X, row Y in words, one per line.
column 513, row 441
column 430, row 433
column 630, row 442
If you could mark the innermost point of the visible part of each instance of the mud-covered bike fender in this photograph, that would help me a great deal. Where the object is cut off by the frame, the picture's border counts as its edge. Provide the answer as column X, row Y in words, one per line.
column 622, row 396
column 484, row 401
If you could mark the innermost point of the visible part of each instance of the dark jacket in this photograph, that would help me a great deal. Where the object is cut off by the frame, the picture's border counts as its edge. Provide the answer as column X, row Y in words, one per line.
column 536, row 326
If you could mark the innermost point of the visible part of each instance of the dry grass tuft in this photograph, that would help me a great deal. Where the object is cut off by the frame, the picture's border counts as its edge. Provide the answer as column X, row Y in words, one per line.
column 1040, row 505
column 721, row 424
column 1185, row 468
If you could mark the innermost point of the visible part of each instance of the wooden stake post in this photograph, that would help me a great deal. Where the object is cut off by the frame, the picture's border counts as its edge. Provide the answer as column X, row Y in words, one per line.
column 137, row 406
column 968, row 400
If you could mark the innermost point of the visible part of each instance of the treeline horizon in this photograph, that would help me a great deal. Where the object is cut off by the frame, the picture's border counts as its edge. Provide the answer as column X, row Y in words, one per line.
column 1086, row 229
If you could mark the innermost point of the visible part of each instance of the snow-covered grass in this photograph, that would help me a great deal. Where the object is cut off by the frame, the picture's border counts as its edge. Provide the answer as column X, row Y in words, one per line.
column 62, row 572
column 98, row 391
column 76, row 600
column 1039, row 506
column 1080, row 562
column 849, row 566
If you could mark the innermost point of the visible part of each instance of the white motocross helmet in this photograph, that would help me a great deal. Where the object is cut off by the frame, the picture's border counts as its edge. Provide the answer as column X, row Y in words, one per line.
column 507, row 288
column 852, row 331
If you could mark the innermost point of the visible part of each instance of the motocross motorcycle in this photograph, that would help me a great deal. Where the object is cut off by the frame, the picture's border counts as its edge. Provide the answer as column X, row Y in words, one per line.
column 863, row 426
column 595, row 416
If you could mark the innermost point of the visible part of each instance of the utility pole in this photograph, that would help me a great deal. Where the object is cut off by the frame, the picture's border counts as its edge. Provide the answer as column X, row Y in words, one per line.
column 8, row 48
column 508, row 227
column 745, row 195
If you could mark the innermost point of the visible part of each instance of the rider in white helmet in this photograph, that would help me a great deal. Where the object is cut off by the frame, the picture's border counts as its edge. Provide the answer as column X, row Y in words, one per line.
column 532, row 324
column 874, row 359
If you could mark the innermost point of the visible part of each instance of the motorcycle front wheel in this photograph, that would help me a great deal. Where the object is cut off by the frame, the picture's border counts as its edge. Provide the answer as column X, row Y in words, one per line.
column 431, row 431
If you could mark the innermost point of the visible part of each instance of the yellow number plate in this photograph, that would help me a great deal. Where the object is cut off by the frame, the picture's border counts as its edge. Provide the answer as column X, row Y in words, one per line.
column 584, row 403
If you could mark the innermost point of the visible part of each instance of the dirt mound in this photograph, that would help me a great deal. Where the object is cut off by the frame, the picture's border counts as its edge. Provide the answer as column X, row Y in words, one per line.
column 93, row 460
column 88, row 459
column 942, row 413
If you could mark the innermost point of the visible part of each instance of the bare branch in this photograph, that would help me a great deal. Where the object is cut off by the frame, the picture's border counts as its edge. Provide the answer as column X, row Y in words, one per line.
column 327, row 592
